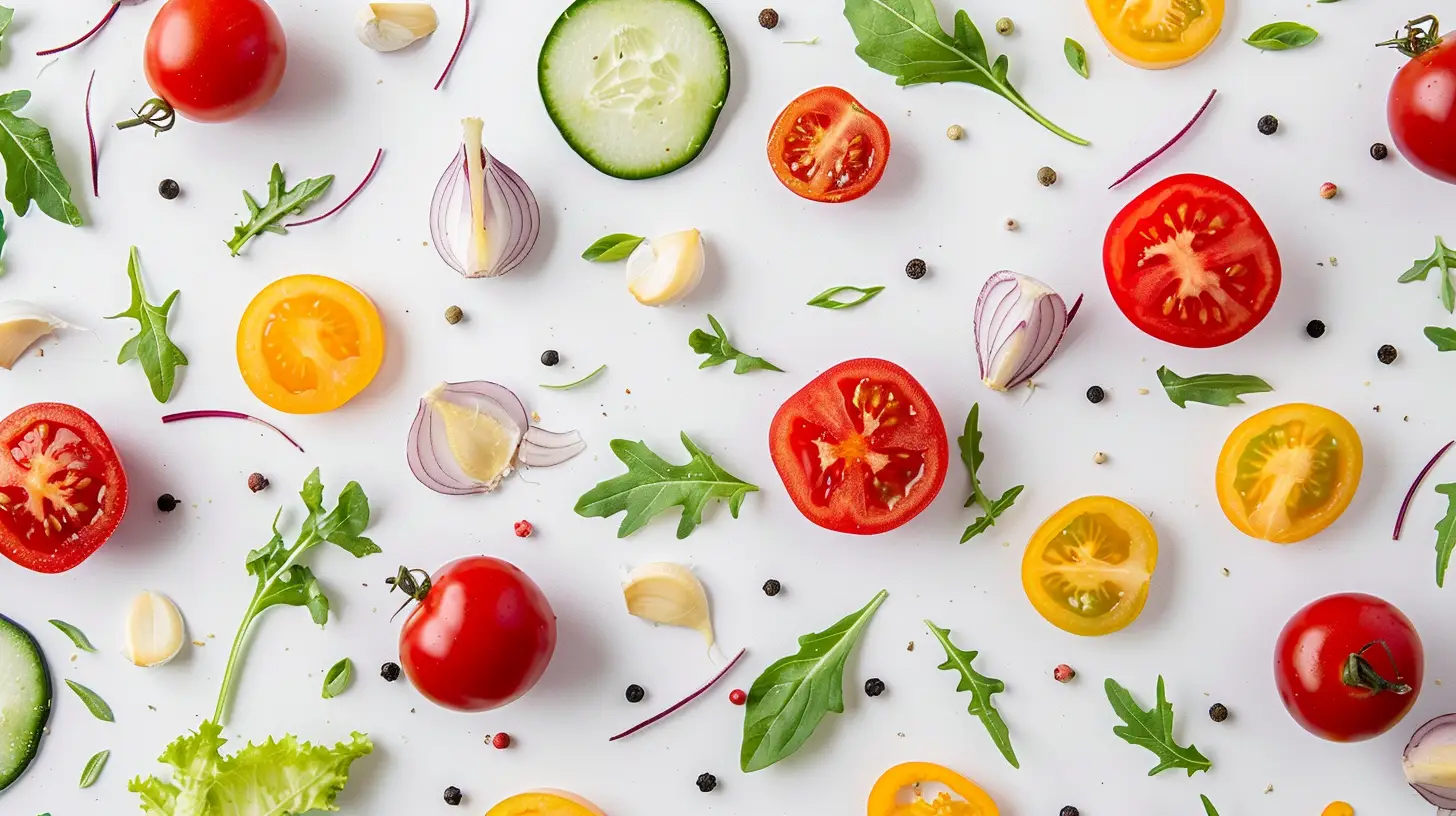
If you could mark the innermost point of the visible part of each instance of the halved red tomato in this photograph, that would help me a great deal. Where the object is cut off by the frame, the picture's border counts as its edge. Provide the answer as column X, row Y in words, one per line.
column 1190, row 262
column 62, row 489
column 861, row 448
column 828, row 147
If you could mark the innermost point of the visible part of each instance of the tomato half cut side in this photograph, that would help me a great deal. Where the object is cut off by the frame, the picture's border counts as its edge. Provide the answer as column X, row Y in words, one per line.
column 861, row 449
column 1191, row 263
column 1088, row 568
column 62, row 487
column 827, row 147
column 1157, row 33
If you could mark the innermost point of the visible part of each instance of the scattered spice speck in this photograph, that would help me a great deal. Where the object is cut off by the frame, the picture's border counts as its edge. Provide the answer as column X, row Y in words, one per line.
column 1143, row 392
column 1379, row 151
column 1328, row 190
column 500, row 741
column 454, row 315
column 955, row 133
column 1099, row 458
column 1046, row 177
column 257, row 482
column 1225, row 572
column 1011, row 225
column 1269, row 788
column 910, row 647
column 768, row 18
column 524, row 529
column 453, row 796
column 1218, row 712
column 1268, row 124
column 874, row 687
column 1005, row 27
column 1064, row 673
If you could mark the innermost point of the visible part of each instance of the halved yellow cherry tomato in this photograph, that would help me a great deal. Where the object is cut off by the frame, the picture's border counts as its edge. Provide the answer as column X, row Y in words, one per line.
column 308, row 344
column 885, row 796
column 545, row 802
column 1157, row 33
column 1087, row 568
column 1338, row 809
column 1289, row 472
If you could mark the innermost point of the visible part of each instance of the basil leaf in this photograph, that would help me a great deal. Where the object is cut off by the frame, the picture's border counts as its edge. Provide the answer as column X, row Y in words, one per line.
column 2, row 242
column 981, row 688
column 1282, row 36
column 338, row 678
column 825, row 299
column 6, row 15
column 1211, row 389
column 1076, row 57
column 1445, row 533
column 613, row 247
column 158, row 355
column 31, row 172
column 1207, row 805
column 97, row 706
column 76, row 635
column 720, row 351
column 566, row 386
column 971, row 453
column 92, row 771
column 282, row 203
column 1153, row 730
column 1445, row 339
column 1444, row 260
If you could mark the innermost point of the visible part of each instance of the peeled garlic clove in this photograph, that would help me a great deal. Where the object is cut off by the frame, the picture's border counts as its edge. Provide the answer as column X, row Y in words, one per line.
column 392, row 26
column 154, row 630
column 666, row 269
column 669, row 594
column 21, row 324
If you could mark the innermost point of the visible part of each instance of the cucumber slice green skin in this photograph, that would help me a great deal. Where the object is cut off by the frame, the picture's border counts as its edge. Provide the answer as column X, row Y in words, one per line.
column 597, row 155
column 25, row 700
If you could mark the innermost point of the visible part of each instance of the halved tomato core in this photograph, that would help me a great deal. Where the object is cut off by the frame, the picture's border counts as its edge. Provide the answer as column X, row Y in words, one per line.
column 1089, row 567
column 887, row 474
column 61, row 492
column 825, row 146
column 300, row 330
column 1287, row 473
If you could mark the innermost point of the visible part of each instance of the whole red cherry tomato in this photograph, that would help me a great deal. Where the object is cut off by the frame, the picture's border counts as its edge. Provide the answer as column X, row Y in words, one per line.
column 482, row 635
column 1422, row 104
column 1348, row 667
column 215, row 60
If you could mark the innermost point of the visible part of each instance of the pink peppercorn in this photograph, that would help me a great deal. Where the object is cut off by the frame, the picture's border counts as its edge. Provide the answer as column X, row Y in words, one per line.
column 501, row 741
column 737, row 697
column 524, row 529
column 1328, row 190
column 1064, row 673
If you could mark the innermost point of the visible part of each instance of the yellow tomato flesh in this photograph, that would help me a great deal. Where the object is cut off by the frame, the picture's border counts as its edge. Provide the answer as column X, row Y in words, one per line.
column 1289, row 472
column 897, row 793
column 308, row 344
column 1157, row 33
column 545, row 803
column 1088, row 567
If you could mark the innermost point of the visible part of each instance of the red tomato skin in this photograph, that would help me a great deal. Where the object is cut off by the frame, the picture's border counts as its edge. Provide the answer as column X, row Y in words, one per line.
column 1310, row 655
column 1421, row 111
column 215, row 60
column 481, row 637
column 839, row 106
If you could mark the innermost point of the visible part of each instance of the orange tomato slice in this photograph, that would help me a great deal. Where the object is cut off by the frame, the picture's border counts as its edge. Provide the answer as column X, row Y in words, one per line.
column 545, row 802
column 886, row 798
column 1157, row 33
column 308, row 344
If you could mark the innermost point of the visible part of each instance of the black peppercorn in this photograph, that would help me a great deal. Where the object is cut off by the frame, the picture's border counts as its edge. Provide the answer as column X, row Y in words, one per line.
column 707, row 782
column 635, row 693
column 452, row 796
column 1095, row 394
column 550, row 357
column 1268, row 125
column 257, row 482
column 874, row 687
column 1218, row 712
column 390, row 672
column 772, row 587
column 169, row 189
column 1379, row 152
column 167, row 502
column 1315, row 328
column 915, row 269
column 1386, row 354
column 768, row 18
column 1070, row 811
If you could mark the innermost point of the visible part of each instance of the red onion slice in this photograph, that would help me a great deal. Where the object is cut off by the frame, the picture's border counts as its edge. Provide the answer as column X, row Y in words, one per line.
column 1019, row 324
column 543, row 448
column 1439, row 732
column 511, row 208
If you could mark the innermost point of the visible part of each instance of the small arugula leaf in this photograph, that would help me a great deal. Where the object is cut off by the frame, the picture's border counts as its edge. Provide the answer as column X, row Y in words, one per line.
column 1153, row 730
column 1445, row 339
column 94, row 704
column 1210, row 389
column 720, row 351
column 1282, row 36
column 973, row 456
column 92, row 771
column 614, row 247
column 1207, row 805
column 76, row 635
column 789, row 700
column 1076, row 57
column 31, row 171
column 652, row 485
column 826, row 298
column 1444, row 260
column 158, row 355
column 338, row 678
column 981, row 688
column 281, row 204
column 1445, row 533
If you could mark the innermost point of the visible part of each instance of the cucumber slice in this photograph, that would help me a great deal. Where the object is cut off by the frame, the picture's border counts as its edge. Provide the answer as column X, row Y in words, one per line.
column 635, row 86
column 25, row 699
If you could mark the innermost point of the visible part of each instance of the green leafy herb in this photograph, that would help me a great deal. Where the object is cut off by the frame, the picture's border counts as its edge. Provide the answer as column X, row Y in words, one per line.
column 981, row 688
column 1076, row 57
column 278, row 778
column 1445, row 533
column 31, row 172
column 1207, row 805
column 651, row 485
column 614, row 247
column 92, row 771
column 1153, row 730
column 76, row 635
column 1445, row 339
column 2, row 241
column 338, row 678
column 564, row 387
column 825, row 299
column 6, row 15
column 158, row 355
column 94, row 704
column 1443, row 259
column 283, row 581
column 281, row 204
column 788, row 701
column 1210, row 389
column 720, row 351
column 1281, row 36
column 904, row 39
column 973, row 456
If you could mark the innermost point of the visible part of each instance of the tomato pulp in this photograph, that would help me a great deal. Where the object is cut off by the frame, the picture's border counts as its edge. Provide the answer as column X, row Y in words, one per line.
column 215, row 60
column 826, row 146
column 1421, row 108
column 861, row 448
column 1157, row 33
column 1348, row 667
column 62, row 488
column 1191, row 263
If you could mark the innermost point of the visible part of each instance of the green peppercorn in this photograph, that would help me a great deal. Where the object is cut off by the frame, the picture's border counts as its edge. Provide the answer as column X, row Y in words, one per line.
column 454, row 315
column 1046, row 177
column 1005, row 27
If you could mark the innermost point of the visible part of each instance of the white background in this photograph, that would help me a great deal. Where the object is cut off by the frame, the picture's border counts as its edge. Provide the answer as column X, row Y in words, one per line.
column 1211, row 636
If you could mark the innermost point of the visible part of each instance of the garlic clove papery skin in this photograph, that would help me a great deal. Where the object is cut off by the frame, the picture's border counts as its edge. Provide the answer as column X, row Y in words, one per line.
column 154, row 630
column 392, row 26
column 22, row 323
column 666, row 269
column 669, row 594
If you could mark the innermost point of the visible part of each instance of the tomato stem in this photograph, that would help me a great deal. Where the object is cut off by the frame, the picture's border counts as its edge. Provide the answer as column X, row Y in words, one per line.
column 1416, row 40
column 405, row 581
column 1358, row 673
column 155, row 113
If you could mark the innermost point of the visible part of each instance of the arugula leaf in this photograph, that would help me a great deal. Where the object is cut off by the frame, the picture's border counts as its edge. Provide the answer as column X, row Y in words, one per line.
column 1076, row 57
column 789, row 700
column 1445, row 339
column 278, row 778
column 93, row 702
column 94, row 765
column 1207, row 805
column 1282, row 36
column 614, row 247
column 720, row 351
column 1210, row 389
column 1445, row 533
column 651, row 485
column 6, row 15
column 981, row 688
column 158, row 355
column 904, row 39
column 972, row 455
column 1443, row 259
column 76, row 635
column 31, row 172
column 1153, row 730
column 338, row 678
column 825, row 299
column 281, row 204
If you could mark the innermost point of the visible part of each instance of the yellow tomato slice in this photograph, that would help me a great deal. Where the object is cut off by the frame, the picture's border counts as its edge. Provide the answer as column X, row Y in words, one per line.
column 1289, row 472
column 1087, row 568
column 545, row 802
column 1157, row 33
column 308, row 344
column 889, row 796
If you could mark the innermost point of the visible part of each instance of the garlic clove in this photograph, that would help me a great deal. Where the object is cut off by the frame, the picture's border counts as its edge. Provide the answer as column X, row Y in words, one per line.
column 392, row 26
column 21, row 324
column 154, row 630
column 669, row 594
column 481, row 443
column 666, row 269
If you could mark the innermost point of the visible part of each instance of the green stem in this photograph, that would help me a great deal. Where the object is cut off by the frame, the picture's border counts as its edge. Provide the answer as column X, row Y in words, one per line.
column 1016, row 99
